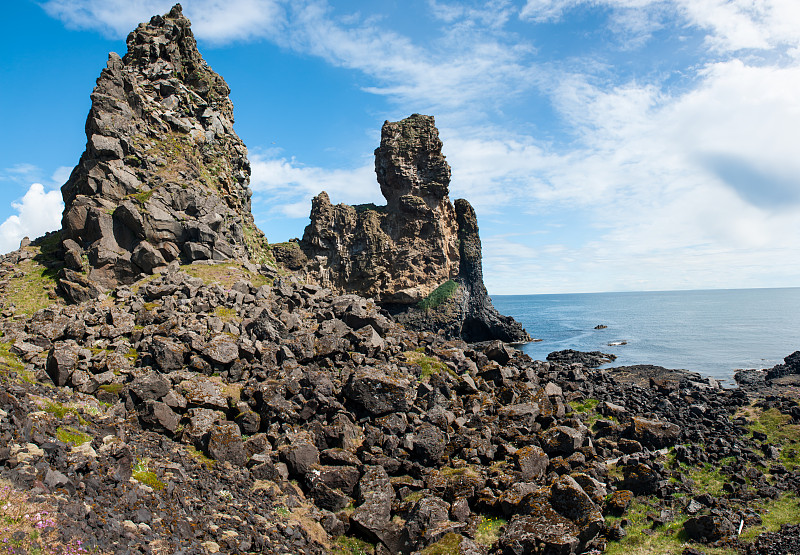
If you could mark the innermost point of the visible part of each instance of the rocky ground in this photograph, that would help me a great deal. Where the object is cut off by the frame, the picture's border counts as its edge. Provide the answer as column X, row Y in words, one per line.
column 212, row 409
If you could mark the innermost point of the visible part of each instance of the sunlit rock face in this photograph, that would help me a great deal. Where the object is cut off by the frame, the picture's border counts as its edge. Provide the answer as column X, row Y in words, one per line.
column 164, row 176
column 399, row 254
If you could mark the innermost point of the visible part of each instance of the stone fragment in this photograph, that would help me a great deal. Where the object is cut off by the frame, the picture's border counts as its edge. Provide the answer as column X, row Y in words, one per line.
column 225, row 444
column 378, row 392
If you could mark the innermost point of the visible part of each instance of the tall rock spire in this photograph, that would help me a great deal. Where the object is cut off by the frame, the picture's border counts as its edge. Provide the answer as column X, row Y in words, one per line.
column 419, row 256
column 164, row 176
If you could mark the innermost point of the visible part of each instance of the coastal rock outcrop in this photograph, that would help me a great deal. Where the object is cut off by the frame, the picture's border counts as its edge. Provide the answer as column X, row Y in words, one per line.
column 419, row 256
column 164, row 176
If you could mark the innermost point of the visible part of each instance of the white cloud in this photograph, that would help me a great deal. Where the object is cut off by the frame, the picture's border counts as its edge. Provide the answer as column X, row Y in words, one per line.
column 37, row 213
column 212, row 20
column 288, row 186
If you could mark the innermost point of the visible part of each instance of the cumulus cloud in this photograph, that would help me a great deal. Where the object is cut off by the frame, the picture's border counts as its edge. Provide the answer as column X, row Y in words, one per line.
column 288, row 186
column 211, row 19
column 683, row 179
column 38, row 212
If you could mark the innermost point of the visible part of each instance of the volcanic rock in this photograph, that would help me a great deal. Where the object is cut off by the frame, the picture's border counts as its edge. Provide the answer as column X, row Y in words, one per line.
column 164, row 177
column 419, row 249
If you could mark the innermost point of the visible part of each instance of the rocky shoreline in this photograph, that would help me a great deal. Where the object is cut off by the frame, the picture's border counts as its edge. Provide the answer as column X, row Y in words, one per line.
column 171, row 383
column 234, row 414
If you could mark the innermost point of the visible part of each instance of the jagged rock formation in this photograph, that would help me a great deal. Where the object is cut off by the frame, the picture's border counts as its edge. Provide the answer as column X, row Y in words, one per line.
column 399, row 254
column 164, row 176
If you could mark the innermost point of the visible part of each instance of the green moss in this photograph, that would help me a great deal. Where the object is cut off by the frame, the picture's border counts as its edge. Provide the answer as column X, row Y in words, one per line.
column 438, row 295
column 151, row 306
column 200, row 457
column 344, row 545
column 9, row 359
column 112, row 387
column 143, row 474
column 586, row 406
column 73, row 436
column 225, row 274
column 132, row 354
column 142, row 197
column 227, row 314
column 448, row 545
column 257, row 246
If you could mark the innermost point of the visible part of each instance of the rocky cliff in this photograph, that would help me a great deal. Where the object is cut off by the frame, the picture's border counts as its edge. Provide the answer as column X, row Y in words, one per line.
column 164, row 176
column 419, row 256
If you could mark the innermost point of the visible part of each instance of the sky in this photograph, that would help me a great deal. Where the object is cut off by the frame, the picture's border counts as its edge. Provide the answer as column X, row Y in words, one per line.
column 606, row 145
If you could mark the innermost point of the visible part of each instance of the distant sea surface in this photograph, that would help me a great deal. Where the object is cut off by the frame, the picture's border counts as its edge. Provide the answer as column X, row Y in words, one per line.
column 713, row 332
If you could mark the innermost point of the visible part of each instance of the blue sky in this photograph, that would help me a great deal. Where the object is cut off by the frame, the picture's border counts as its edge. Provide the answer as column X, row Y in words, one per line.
column 607, row 145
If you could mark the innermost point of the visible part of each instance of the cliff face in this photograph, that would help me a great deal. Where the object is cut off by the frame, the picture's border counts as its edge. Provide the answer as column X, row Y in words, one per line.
column 400, row 252
column 164, row 176
column 418, row 250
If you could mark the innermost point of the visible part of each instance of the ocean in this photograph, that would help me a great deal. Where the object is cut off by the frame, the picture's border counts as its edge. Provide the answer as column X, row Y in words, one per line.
column 714, row 332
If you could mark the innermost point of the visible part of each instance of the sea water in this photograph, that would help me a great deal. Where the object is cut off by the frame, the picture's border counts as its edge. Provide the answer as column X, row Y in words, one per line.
column 713, row 332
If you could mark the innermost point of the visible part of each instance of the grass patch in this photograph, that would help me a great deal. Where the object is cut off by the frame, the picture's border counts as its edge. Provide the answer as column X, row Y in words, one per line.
column 200, row 457
column 438, row 295
column 586, row 406
column 114, row 388
column 142, row 197
column 227, row 314
column 9, row 362
column 488, row 530
column 143, row 474
column 345, row 545
column 448, row 545
column 780, row 432
column 60, row 410
column 33, row 289
column 428, row 366
column 257, row 246
column 224, row 274
column 774, row 513
column 72, row 436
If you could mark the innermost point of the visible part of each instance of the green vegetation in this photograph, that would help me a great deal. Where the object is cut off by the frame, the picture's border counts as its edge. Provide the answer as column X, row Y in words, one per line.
column 489, row 530
column 774, row 513
column 448, row 545
column 200, row 457
column 224, row 274
column 142, row 197
column 780, row 432
column 72, row 436
column 438, row 295
column 9, row 362
column 586, row 406
column 114, row 388
column 664, row 540
column 30, row 527
column 257, row 246
column 143, row 474
column 428, row 365
column 227, row 314
column 344, row 545
column 369, row 207
column 32, row 288
column 60, row 410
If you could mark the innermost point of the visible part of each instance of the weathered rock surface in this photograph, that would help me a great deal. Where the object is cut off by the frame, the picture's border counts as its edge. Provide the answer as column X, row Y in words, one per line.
column 268, row 414
column 399, row 254
column 164, row 176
